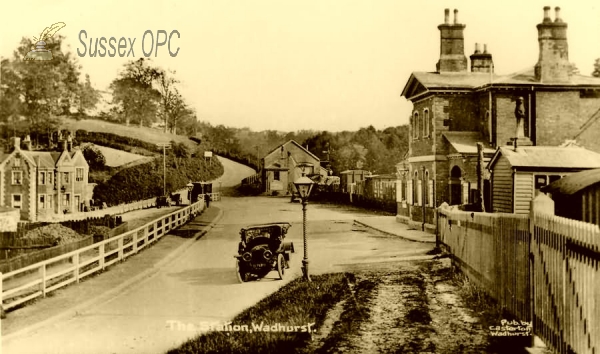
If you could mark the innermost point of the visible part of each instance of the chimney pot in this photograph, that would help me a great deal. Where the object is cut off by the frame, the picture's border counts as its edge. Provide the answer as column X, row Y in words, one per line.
column 447, row 16
column 17, row 143
column 455, row 16
column 485, row 49
column 557, row 14
column 477, row 48
column 547, row 14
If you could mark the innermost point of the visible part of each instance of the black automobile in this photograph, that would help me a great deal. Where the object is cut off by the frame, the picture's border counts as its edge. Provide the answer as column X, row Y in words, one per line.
column 163, row 201
column 262, row 250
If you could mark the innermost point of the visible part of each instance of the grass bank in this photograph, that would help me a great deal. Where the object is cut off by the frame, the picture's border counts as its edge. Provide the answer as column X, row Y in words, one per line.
column 297, row 304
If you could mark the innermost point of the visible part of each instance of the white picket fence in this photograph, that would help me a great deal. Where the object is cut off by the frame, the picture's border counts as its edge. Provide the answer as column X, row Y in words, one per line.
column 37, row 280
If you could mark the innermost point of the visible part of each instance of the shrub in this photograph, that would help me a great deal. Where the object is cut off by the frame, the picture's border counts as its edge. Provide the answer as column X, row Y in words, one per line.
column 94, row 157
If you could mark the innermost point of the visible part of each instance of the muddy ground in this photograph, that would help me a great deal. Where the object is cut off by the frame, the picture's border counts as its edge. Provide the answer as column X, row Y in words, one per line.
column 411, row 307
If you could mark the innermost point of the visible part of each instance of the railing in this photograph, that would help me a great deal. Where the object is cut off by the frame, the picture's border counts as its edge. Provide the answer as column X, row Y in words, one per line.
column 215, row 197
column 252, row 179
column 117, row 209
column 37, row 280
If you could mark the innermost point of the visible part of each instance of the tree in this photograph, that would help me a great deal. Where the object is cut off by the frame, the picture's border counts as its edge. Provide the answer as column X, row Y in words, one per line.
column 596, row 72
column 133, row 93
column 41, row 91
column 88, row 96
column 169, row 96
column 94, row 157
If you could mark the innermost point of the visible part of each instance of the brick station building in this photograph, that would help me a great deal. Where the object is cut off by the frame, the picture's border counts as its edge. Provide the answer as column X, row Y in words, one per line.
column 457, row 106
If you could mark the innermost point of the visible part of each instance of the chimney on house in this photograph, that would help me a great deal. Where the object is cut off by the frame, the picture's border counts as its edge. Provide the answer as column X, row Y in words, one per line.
column 553, row 63
column 27, row 142
column 481, row 62
column 65, row 145
column 17, row 143
column 452, row 45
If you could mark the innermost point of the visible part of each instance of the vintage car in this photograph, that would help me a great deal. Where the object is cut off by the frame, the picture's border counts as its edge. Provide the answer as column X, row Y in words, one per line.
column 261, row 250
column 163, row 201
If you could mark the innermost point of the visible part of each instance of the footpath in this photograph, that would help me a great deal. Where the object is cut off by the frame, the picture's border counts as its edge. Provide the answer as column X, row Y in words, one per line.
column 68, row 302
column 389, row 225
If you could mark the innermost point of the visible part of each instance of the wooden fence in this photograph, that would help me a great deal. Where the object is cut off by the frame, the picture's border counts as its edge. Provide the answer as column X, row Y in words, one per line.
column 493, row 251
column 540, row 268
column 37, row 280
column 566, row 283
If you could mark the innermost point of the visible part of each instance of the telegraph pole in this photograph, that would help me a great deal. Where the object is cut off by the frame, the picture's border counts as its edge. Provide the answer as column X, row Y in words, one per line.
column 164, row 146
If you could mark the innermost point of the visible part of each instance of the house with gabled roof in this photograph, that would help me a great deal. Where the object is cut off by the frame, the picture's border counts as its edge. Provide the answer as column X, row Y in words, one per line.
column 44, row 183
column 458, row 105
column 286, row 163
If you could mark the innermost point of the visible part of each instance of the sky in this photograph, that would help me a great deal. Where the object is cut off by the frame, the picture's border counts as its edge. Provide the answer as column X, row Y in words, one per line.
column 291, row 65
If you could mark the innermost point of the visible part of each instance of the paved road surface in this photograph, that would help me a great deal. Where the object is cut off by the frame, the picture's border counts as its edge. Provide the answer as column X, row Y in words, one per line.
column 233, row 174
column 201, row 286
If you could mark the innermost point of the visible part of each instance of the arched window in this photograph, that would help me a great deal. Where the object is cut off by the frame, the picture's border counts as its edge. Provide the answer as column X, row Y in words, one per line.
column 416, row 126
column 426, row 123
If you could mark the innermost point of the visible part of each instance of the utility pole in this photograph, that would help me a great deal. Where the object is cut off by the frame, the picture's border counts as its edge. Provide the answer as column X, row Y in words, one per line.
column 164, row 147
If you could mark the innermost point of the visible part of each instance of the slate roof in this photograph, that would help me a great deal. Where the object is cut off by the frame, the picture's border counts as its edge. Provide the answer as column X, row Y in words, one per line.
column 298, row 145
column 466, row 142
column 548, row 157
column 573, row 183
column 420, row 82
column 43, row 159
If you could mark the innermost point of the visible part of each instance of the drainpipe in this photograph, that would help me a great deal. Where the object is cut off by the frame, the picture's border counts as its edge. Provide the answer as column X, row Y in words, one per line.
column 423, row 196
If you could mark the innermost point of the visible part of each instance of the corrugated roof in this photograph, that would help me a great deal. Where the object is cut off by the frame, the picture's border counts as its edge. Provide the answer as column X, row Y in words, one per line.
column 551, row 156
column 466, row 142
column 573, row 183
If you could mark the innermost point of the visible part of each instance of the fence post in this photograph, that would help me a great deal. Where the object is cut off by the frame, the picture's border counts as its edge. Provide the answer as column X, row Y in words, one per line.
column 135, row 242
column 76, row 263
column 120, row 245
column 541, row 204
column 43, row 282
column 101, row 253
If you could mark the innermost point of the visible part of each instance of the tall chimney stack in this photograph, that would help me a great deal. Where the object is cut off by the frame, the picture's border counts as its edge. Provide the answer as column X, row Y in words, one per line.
column 452, row 45
column 553, row 63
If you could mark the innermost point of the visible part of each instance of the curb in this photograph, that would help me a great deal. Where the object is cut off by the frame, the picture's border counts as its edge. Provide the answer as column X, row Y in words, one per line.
column 75, row 311
column 391, row 234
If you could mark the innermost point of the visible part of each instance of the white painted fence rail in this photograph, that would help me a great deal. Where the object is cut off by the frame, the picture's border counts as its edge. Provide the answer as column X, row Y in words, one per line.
column 28, row 283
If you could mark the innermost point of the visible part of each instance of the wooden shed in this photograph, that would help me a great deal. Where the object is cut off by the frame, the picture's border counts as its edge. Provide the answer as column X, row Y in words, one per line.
column 518, row 175
column 577, row 196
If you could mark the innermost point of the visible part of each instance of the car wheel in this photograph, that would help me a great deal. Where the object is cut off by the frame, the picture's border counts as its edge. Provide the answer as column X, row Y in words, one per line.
column 241, row 275
column 280, row 265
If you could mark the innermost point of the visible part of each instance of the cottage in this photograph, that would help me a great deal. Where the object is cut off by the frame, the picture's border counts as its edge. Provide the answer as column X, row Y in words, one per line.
column 459, row 104
column 43, row 183
column 577, row 196
column 517, row 175
column 286, row 163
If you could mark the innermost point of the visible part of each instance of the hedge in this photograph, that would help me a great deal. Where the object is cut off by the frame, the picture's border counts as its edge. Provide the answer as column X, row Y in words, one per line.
column 146, row 181
column 114, row 141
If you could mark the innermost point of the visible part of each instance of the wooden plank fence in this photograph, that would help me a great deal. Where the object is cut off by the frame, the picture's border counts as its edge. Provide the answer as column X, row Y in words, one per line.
column 540, row 268
column 37, row 280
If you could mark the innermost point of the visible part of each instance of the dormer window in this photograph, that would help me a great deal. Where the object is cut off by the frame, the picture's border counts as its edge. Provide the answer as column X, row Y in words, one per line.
column 17, row 162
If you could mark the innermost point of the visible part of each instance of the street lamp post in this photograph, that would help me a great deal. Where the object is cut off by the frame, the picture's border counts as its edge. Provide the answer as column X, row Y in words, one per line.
column 164, row 147
column 190, row 186
column 304, row 186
